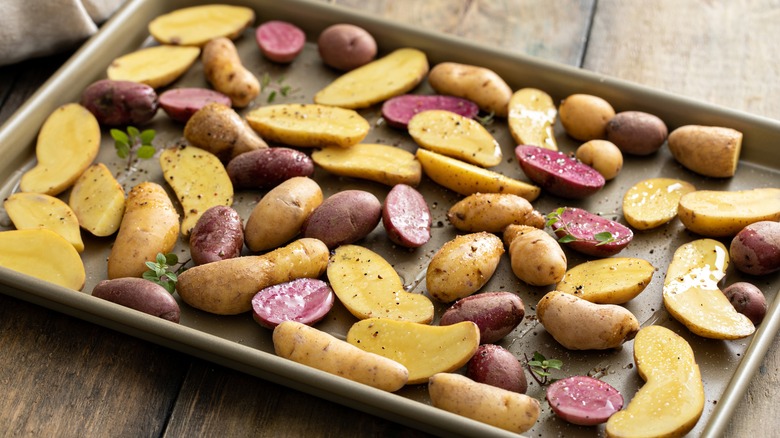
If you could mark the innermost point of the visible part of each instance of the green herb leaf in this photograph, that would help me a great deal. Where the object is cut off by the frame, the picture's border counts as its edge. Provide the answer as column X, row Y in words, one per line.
column 160, row 271
column 147, row 136
column 272, row 96
column 146, row 152
column 567, row 238
column 266, row 80
column 119, row 136
column 132, row 131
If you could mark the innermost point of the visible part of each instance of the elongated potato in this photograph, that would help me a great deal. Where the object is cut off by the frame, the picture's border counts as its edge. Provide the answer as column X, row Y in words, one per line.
column 141, row 295
column 707, row 150
column 613, row 280
column 98, row 200
column 309, row 125
column 455, row 136
column 36, row 210
column 392, row 75
column 653, row 202
column 155, row 66
column 220, row 130
column 67, row 144
column 536, row 256
column 197, row 25
column 493, row 212
column 204, row 286
column 317, row 349
column 384, row 164
column 150, row 226
column 463, row 265
column 42, row 254
column 482, row 402
column 467, row 179
column 199, row 180
column 224, row 70
column 531, row 118
column 477, row 84
column 715, row 213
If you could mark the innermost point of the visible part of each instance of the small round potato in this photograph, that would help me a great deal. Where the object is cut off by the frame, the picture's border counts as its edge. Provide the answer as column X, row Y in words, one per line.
column 585, row 117
column 497, row 366
column 344, row 217
column 755, row 250
column 748, row 300
column 637, row 132
column 346, row 47
column 602, row 155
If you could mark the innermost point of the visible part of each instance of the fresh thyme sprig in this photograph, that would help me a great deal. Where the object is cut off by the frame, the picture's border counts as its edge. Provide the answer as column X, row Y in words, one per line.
column 540, row 368
column 277, row 87
column 161, row 271
column 133, row 142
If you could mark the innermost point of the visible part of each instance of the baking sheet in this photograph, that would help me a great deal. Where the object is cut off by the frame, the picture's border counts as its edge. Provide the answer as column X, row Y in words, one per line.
column 240, row 343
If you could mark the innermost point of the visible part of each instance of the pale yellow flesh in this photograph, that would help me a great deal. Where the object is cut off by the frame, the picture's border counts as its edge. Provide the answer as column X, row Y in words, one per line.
column 67, row 144
column 368, row 286
column 463, row 265
column 653, row 202
column 672, row 400
column 467, row 179
column 155, row 66
column 614, row 280
column 392, row 75
column 42, row 254
column 195, row 26
column 423, row 349
column 531, row 117
column 455, row 136
column 691, row 293
column 98, row 200
column 384, row 164
column 199, row 180
column 715, row 213
column 36, row 210
column 308, row 125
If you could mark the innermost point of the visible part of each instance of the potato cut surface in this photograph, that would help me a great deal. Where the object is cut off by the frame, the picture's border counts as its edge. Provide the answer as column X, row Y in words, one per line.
column 196, row 25
column 309, row 125
column 613, row 280
column 715, row 213
column 154, row 66
column 653, row 202
column 36, row 210
column 531, row 117
column 98, row 200
column 42, row 254
column 455, row 136
column 384, row 164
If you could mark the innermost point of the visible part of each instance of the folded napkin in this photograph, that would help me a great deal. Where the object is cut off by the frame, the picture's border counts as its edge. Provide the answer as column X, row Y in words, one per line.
column 32, row 28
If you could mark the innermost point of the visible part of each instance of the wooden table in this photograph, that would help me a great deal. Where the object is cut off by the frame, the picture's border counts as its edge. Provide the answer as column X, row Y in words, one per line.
column 63, row 377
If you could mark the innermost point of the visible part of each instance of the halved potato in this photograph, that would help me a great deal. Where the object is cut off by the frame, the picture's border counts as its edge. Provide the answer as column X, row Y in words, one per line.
column 531, row 118
column 389, row 76
column 43, row 254
column 309, row 125
column 36, row 210
column 155, row 66
column 197, row 25
column 67, row 144
column 98, row 200
column 707, row 150
column 382, row 163
column 653, row 202
column 613, row 280
column 715, row 213
column 455, row 136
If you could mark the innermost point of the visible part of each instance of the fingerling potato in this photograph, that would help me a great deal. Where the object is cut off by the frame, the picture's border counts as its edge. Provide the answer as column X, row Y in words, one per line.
column 463, row 265
column 478, row 84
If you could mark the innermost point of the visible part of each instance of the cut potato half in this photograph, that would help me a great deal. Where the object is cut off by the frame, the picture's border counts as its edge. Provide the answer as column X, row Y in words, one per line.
column 155, row 66
column 309, row 125
column 455, row 136
column 197, row 25
column 42, row 254
column 531, row 117
column 653, row 202
column 715, row 213
column 98, row 200
column 381, row 163
column 36, row 210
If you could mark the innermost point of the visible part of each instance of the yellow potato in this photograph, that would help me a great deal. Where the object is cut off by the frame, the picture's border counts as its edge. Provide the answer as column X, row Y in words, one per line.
column 309, row 346
column 707, row 150
column 155, row 66
column 36, row 210
column 691, row 293
column 467, row 179
column 585, row 116
column 613, row 280
column 714, row 213
column 478, row 84
column 672, row 399
column 455, row 136
column 42, row 254
column 384, row 164
column 368, row 286
column 199, row 180
column 197, row 25
column 423, row 349
column 653, row 202
column 224, row 70
column 537, row 258
column 602, row 155
column 392, row 75
column 309, row 125
column 489, row 404
column 67, row 144
column 463, row 265
column 531, row 118
column 98, row 200
column 493, row 212
column 220, row 130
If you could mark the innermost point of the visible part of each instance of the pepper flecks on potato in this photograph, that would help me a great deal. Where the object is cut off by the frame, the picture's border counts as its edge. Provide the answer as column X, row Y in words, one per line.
column 220, row 130
column 224, row 70
column 536, row 256
column 463, row 265
column 309, row 125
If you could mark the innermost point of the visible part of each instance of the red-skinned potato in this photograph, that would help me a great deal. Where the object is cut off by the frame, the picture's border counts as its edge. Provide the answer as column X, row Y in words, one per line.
column 398, row 110
column 280, row 41
column 497, row 366
column 583, row 400
column 139, row 294
column 267, row 168
column 181, row 103
column 637, row 132
column 343, row 218
column 406, row 217
column 119, row 103
column 304, row 300
column 346, row 46
column 755, row 250
column 558, row 173
column 495, row 313
column 218, row 235
column 748, row 300
column 586, row 230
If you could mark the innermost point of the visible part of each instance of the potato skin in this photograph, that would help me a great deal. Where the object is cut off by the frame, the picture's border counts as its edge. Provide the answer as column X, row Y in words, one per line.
column 707, row 150
column 406, row 217
column 344, row 218
column 478, row 84
column 218, row 235
column 346, row 46
column 139, row 294
column 748, row 300
column 637, row 132
column 497, row 366
column 495, row 313
column 119, row 103
column 223, row 70
column 536, row 257
column 602, row 155
column 266, row 168
column 220, row 130
column 755, row 250
column 585, row 116
column 493, row 212
column 181, row 103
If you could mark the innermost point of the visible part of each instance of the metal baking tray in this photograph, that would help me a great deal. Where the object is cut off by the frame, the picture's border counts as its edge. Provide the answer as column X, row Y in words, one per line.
column 238, row 342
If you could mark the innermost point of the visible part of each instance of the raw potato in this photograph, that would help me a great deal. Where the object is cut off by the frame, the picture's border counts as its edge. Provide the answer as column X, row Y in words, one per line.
column 155, row 66
column 558, row 173
column 495, row 365
column 120, row 103
column 150, row 226
column 707, row 150
column 715, row 213
column 224, row 70
column 478, row 84
column 345, row 46
column 583, row 400
column 344, row 217
column 219, row 129
column 578, row 324
column 755, row 250
column 493, row 212
column 536, row 257
column 603, row 156
column 310, row 346
column 585, row 117
column 691, row 293
column 672, row 399
column 141, row 295
column 42, row 254
column 653, row 202
column 467, row 179
column 199, row 180
column 280, row 41
column 182, row 103
column 195, row 26
column 309, row 125
column 636, row 132
column 392, row 75
column 268, row 167
column 385, row 164
column 305, row 300
column 423, row 349
column 463, row 265
column 748, row 300
column 398, row 110
column 36, row 210
column 67, row 144
column 613, row 280
column 590, row 233
column 368, row 286
column 495, row 313
column 98, row 200
column 218, row 235
column 204, row 287
column 455, row 136
column 532, row 117
column 482, row 402
column 281, row 213
column 406, row 217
